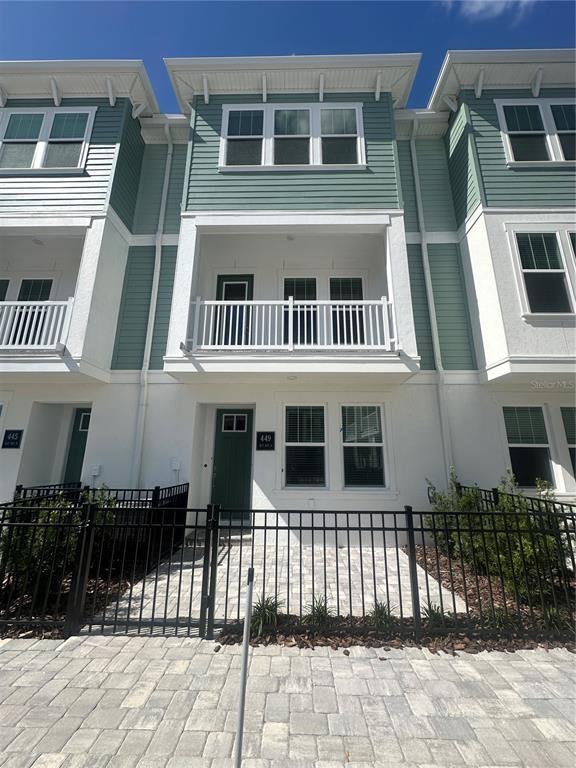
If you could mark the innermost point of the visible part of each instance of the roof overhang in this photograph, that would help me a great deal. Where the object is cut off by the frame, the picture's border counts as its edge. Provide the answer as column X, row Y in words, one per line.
column 378, row 73
column 82, row 79
column 421, row 123
column 534, row 69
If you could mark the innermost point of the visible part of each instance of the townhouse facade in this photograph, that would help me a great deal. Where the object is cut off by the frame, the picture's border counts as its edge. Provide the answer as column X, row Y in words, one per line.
column 297, row 293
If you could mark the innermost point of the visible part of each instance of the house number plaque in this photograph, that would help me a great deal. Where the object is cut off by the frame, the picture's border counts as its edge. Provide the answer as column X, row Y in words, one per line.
column 265, row 441
column 12, row 438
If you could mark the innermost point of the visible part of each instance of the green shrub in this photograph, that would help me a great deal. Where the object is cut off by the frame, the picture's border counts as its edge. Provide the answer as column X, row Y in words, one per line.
column 524, row 550
column 319, row 613
column 382, row 618
column 265, row 615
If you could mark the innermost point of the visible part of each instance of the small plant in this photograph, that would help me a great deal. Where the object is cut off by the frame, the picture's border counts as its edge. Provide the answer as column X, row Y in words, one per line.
column 558, row 620
column 265, row 615
column 318, row 613
column 435, row 616
column 499, row 619
column 381, row 617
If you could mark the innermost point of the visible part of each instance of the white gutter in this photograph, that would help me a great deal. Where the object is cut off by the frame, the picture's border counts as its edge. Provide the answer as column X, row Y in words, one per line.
column 143, row 391
column 440, row 386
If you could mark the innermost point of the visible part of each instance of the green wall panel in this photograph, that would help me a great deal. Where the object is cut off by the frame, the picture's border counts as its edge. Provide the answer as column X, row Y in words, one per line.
column 436, row 196
column 376, row 187
column 408, row 187
column 87, row 191
column 163, row 305
column 452, row 315
column 127, row 174
column 515, row 187
column 420, row 308
column 463, row 176
column 134, row 307
column 175, row 190
column 150, row 189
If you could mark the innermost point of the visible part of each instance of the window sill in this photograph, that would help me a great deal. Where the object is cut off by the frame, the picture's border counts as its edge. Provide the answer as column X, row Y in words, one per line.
column 541, row 164
column 41, row 171
column 547, row 318
column 289, row 168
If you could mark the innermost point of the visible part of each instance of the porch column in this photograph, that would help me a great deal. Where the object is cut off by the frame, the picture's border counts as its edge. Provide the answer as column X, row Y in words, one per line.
column 183, row 279
column 398, row 276
column 85, row 287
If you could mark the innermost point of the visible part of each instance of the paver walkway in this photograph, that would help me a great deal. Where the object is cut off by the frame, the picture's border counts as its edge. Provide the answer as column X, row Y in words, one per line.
column 352, row 578
column 169, row 702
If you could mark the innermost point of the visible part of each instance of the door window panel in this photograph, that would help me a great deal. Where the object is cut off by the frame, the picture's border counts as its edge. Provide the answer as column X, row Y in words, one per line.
column 362, row 445
column 304, row 316
column 347, row 320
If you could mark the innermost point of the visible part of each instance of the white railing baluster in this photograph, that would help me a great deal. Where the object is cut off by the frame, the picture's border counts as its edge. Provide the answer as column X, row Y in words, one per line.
column 241, row 325
column 31, row 325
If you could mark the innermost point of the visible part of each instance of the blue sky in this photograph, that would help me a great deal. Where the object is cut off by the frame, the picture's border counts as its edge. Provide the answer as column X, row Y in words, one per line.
column 152, row 30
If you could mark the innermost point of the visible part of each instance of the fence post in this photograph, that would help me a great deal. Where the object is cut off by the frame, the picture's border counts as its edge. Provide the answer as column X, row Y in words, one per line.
column 156, row 497
column 413, row 571
column 213, row 571
column 459, row 490
column 17, row 492
column 495, row 496
column 79, row 580
column 206, row 570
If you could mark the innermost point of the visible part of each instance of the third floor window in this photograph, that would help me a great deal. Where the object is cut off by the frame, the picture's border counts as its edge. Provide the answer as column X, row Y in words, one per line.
column 538, row 130
column 292, row 136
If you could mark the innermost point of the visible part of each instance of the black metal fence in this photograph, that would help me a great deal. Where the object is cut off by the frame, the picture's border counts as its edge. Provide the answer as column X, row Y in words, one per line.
column 148, row 564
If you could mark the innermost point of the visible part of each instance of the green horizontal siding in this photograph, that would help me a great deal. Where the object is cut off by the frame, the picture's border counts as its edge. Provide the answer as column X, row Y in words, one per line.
column 462, row 169
column 87, row 191
column 175, row 190
column 207, row 188
column 163, row 305
column 150, row 189
column 408, row 187
column 437, row 207
column 515, row 187
column 452, row 317
column 134, row 308
column 420, row 308
column 127, row 175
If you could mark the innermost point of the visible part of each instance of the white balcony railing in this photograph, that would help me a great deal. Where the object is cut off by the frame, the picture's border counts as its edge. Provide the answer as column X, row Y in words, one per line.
column 30, row 325
column 291, row 325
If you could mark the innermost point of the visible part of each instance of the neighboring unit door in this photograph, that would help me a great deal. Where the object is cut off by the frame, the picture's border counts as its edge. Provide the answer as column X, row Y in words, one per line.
column 232, row 469
column 77, row 446
column 231, row 322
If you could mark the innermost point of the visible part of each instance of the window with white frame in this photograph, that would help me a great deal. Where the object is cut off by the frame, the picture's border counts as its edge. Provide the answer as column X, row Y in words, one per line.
column 291, row 136
column 528, row 445
column 305, row 445
column 544, row 272
column 363, row 446
column 569, row 420
column 48, row 139
column 538, row 130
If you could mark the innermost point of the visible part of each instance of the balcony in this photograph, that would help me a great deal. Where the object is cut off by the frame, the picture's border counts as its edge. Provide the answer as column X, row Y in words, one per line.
column 291, row 326
column 28, row 327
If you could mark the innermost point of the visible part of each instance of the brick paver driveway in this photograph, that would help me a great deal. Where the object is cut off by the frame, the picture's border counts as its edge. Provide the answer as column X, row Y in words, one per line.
column 169, row 702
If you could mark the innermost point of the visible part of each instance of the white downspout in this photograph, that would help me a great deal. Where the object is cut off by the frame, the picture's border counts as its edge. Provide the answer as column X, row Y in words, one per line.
column 441, row 380
column 136, row 472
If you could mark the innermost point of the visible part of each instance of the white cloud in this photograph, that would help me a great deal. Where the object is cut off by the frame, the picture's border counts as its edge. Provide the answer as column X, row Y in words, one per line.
column 490, row 9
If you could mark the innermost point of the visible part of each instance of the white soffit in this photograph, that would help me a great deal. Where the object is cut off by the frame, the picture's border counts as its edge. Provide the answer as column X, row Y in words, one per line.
column 79, row 79
column 375, row 73
column 428, row 124
column 502, row 69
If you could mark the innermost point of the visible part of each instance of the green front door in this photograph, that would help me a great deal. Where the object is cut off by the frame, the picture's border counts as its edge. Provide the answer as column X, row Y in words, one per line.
column 77, row 446
column 232, row 471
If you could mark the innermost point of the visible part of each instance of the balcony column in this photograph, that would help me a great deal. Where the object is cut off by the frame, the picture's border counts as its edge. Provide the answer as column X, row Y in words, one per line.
column 183, row 281
column 398, row 276
column 85, row 287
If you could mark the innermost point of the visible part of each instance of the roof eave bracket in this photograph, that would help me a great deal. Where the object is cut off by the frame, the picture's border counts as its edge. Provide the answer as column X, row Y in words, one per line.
column 56, row 93
column 138, row 109
column 321, row 87
column 206, row 91
column 264, row 89
column 479, row 84
column 111, row 93
column 3, row 97
column 451, row 103
column 537, row 82
column 378, row 86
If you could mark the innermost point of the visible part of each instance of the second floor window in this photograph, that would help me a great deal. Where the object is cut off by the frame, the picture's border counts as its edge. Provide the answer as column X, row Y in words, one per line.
column 292, row 136
column 44, row 139
column 538, row 130
column 544, row 272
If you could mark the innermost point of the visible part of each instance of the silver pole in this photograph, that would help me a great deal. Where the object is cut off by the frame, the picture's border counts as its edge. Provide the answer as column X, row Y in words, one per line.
column 244, row 671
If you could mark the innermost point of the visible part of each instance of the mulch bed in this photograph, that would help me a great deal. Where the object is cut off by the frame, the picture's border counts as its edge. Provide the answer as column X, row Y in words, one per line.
column 344, row 632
